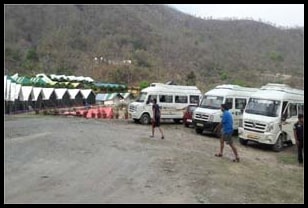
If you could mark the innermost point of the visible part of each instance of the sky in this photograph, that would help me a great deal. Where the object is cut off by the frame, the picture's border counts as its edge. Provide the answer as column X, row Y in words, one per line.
column 282, row 15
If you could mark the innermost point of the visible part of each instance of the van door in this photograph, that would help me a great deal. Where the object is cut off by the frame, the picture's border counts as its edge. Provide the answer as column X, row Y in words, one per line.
column 229, row 103
column 239, row 105
column 289, row 118
column 166, row 104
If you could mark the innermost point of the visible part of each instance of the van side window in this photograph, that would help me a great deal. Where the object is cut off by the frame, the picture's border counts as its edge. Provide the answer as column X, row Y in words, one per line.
column 300, row 108
column 240, row 103
column 194, row 99
column 180, row 99
column 229, row 102
column 165, row 98
column 293, row 109
column 151, row 97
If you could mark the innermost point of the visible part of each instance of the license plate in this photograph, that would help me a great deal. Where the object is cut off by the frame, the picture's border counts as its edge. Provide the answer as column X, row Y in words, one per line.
column 252, row 136
column 199, row 124
column 189, row 120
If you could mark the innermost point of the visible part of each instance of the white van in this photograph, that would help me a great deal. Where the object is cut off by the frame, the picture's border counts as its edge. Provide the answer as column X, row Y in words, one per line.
column 208, row 115
column 172, row 100
column 270, row 114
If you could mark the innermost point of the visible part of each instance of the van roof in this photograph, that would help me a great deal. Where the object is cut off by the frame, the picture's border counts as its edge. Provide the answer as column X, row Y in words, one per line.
column 182, row 89
column 232, row 90
column 279, row 92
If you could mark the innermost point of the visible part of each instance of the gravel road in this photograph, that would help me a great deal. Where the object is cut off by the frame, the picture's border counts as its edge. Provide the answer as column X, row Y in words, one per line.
column 55, row 159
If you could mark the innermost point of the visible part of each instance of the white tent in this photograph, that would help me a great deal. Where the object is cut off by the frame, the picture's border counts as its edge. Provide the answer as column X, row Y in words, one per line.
column 47, row 93
column 8, row 90
column 73, row 93
column 85, row 93
column 17, row 90
column 25, row 93
column 60, row 92
column 5, row 78
column 12, row 92
column 36, row 91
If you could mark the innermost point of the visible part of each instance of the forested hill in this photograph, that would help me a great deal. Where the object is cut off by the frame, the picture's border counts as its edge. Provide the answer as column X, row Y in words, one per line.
column 158, row 42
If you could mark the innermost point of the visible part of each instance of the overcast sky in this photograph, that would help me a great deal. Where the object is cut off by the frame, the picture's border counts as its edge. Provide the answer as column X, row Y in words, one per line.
column 284, row 15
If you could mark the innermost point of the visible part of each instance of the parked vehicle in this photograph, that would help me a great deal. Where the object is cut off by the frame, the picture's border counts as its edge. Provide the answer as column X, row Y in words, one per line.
column 187, row 117
column 171, row 98
column 270, row 114
column 208, row 114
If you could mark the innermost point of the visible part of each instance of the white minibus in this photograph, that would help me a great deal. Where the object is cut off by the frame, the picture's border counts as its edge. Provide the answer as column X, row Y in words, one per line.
column 270, row 114
column 172, row 100
column 208, row 115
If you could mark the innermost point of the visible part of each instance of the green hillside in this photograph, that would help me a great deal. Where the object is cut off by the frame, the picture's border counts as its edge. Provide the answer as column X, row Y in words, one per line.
column 162, row 43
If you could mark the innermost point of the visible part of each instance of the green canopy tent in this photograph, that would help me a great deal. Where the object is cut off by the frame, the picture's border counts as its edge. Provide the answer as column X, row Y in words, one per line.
column 38, row 82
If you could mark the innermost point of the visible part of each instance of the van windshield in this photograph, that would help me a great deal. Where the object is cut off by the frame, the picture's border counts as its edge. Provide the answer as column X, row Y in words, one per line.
column 263, row 107
column 211, row 102
column 141, row 97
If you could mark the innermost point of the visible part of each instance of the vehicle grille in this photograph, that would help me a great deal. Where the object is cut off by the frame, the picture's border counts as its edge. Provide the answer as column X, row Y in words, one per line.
column 202, row 116
column 254, row 126
column 132, row 108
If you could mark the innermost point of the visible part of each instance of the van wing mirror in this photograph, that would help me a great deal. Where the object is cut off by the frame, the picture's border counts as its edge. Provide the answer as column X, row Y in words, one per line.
column 284, row 116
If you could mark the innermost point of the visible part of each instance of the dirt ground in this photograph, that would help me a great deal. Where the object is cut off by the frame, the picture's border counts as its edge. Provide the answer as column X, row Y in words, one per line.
column 56, row 159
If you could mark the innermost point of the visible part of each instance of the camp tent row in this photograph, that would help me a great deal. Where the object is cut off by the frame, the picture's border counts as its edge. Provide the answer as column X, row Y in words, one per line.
column 19, row 98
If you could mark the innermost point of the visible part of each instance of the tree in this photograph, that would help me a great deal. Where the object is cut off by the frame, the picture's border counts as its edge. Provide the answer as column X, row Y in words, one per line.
column 191, row 78
column 144, row 84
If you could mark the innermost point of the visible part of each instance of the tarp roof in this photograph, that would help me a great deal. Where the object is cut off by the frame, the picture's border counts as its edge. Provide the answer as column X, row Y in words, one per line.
column 100, row 84
column 110, row 96
column 23, row 81
column 37, row 80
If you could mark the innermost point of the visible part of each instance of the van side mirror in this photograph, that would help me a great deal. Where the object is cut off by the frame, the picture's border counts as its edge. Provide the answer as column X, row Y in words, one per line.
column 284, row 116
column 147, row 102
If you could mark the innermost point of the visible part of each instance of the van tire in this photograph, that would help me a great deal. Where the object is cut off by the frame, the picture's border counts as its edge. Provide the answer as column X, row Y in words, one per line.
column 243, row 141
column 277, row 147
column 198, row 130
column 177, row 121
column 145, row 119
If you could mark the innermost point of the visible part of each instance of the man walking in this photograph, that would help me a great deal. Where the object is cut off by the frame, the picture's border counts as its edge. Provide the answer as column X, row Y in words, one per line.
column 298, row 129
column 156, row 118
column 227, row 131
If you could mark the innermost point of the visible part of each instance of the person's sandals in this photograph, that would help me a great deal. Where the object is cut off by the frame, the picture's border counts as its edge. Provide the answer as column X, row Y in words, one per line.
column 236, row 159
column 162, row 137
column 218, row 155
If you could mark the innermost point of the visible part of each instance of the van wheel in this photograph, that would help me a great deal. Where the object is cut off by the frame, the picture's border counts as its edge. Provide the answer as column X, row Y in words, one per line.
column 289, row 143
column 199, row 131
column 277, row 147
column 177, row 121
column 145, row 119
column 243, row 141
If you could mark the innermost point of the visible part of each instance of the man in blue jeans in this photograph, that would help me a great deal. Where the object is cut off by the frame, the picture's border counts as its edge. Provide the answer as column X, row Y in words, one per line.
column 227, row 131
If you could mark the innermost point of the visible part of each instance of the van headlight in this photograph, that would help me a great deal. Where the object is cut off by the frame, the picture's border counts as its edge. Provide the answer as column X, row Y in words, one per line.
column 270, row 127
column 211, row 118
column 240, row 124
